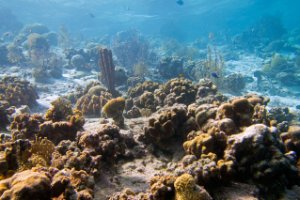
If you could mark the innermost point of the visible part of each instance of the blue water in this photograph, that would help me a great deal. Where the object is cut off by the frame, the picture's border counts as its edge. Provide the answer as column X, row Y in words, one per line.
column 164, row 18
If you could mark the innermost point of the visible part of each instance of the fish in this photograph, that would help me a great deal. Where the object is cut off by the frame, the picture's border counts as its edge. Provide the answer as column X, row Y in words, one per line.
column 180, row 2
column 215, row 75
column 7, row 34
column 211, row 36
column 91, row 15
column 298, row 107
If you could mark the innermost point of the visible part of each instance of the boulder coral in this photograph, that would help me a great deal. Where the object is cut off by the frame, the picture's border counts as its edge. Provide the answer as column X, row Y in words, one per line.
column 26, row 126
column 43, row 184
column 92, row 101
column 26, row 185
column 140, row 88
column 169, row 123
column 258, row 154
column 162, row 187
column 177, row 90
column 106, row 141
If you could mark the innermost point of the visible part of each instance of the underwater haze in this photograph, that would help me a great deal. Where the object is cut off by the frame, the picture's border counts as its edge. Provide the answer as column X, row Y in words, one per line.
column 149, row 99
column 153, row 17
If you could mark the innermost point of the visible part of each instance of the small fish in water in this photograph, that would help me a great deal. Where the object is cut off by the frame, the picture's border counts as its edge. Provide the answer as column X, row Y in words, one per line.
column 180, row 2
column 7, row 34
column 91, row 15
column 211, row 36
column 181, row 75
column 215, row 75
column 298, row 107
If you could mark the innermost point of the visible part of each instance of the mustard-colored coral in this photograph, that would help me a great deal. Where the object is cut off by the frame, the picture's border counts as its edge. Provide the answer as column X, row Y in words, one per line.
column 93, row 99
column 42, row 150
column 114, row 108
column 61, row 109
column 17, row 92
column 187, row 189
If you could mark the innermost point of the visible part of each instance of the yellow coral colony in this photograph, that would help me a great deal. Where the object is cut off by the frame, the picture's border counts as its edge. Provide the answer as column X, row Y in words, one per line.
column 187, row 189
column 114, row 109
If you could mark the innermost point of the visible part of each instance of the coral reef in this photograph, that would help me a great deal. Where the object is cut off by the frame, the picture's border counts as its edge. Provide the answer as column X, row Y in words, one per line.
column 162, row 187
column 61, row 109
column 169, row 123
column 40, row 183
column 141, row 99
column 277, row 64
column 233, row 83
column 60, row 123
column 205, row 143
column 130, row 48
column 4, row 119
column 74, row 158
column 186, row 189
column 279, row 115
column 27, row 185
column 170, row 67
column 93, row 100
column 26, row 126
column 172, row 135
column 258, row 153
column 291, row 139
column 239, row 110
column 14, row 54
column 140, row 88
column 106, row 141
column 38, row 47
column 177, row 90
column 78, row 62
column 114, row 109
column 58, row 131
column 17, row 92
